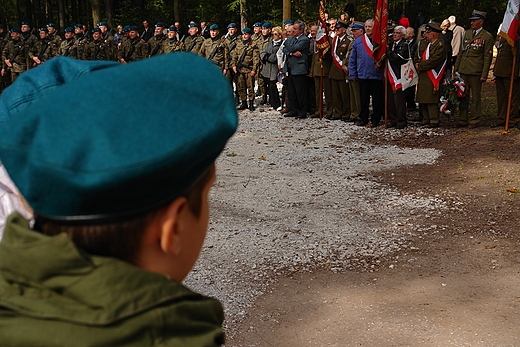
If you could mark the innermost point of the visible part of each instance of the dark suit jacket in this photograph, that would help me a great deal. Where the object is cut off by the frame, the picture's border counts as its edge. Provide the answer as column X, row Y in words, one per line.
column 204, row 32
column 297, row 65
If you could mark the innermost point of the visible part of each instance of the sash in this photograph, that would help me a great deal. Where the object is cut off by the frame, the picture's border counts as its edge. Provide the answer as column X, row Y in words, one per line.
column 369, row 47
column 335, row 57
column 392, row 78
column 434, row 76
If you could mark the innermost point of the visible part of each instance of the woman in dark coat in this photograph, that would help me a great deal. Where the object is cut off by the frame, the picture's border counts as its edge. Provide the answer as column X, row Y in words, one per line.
column 270, row 66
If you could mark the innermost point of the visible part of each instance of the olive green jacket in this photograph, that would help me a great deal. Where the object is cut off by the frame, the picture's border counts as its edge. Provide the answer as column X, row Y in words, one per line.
column 476, row 54
column 53, row 294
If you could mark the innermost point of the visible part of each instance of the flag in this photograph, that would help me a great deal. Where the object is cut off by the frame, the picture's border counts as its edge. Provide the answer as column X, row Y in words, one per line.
column 509, row 26
column 380, row 33
column 322, row 37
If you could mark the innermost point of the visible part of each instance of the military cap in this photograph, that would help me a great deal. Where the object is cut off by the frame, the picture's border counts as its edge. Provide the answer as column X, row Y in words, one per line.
column 173, row 28
column 44, row 29
column 358, row 25
column 231, row 25
column 102, row 24
column 159, row 25
column 432, row 26
column 25, row 23
column 342, row 24
column 120, row 165
column 266, row 25
column 247, row 31
column 16, row 30
column 133, row 28
column 288, row 21
column 478, row 15
column 192, row 25
column 126, row 28
column 78, row 26
column 95, row 30
column 51, row 25
column 213, row 27
column 257, row 24
column 69, row 30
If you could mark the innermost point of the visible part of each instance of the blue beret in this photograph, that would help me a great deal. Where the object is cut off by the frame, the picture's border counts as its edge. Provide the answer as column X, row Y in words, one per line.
column 69, row 30
column 96, row 30
column 266, row 25
column 51, row 25
column 25, row 23
column 126, row 28
column 213, row 27
column 257, row 24
column 78, row 26
column 111, row 162
column 16, row 30
column 247, row 31
column 288, row 21
column 101, row 23
column 192, row 25
column 133, row 28
column 358, row 25
column 43, row 29
column 231, row 25
column 159, row 25
column 173, row 28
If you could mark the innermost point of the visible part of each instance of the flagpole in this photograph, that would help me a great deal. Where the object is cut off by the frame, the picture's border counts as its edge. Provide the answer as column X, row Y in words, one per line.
column 321, row 89
column 510, row 96
column 385, row 81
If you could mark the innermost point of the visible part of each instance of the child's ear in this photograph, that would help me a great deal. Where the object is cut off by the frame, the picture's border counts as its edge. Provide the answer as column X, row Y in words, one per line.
column 172, row 223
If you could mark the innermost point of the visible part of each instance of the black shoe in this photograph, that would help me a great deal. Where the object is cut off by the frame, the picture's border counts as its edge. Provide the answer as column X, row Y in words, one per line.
column 291, row 114
column 335, row 118
column 301, row 116
column 361, row 123
column 243, row 106
column 251, row 106
column 400, row 126
column 392, row 125
column 264, row 100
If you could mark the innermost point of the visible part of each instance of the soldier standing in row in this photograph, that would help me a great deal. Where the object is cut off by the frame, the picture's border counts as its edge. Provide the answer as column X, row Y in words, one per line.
column 156, row 42
column 3, row 42
column 172, row 44
column 42, row 50
column 26, row 35
column 215, row 50
column 132, row 49
column 473, row 66
column 80, row 41
column 54, row 38
column 338, row 72
column 108, row 40
column 97, row 49
column 14, row 55
column 231, row 41
column 260, row 43
column 67, row 47
column 194, row 40
column 245, row 64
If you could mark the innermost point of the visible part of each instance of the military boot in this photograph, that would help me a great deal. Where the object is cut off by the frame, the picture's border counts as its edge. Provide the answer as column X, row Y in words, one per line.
column 243, row 106
column 251, row 106
column 264, row 100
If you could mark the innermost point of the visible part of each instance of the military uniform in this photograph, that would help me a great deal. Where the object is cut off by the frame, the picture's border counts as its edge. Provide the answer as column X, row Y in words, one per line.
column 231, row 44
column 170, row 46
column 80, row 43
column 155, row 44
column 339, row 87
column 502, row 72
column 55, row 40
column 472, row 64
column 68, row 49
column 18, row 53
column 427, row 95
column 193, row 43
column 98, row 50
column 44, row 50
column 246, row 60
column 3, row 42
column 111, row 46
column 316, row 71
column 132, row 50
column 216, row 51
column 355, row 97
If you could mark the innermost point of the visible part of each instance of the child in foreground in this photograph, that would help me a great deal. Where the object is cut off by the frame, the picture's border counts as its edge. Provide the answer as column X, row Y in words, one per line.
column 119, row 190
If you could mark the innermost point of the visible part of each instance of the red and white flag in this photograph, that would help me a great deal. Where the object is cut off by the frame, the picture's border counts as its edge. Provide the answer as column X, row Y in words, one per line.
column 380, row 33
column 322, row 37
column 509, row 26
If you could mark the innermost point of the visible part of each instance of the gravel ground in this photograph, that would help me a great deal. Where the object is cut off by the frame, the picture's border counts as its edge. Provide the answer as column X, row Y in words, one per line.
column 295, row 195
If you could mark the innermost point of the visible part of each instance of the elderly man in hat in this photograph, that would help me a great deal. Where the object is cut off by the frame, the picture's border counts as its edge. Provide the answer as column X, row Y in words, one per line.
column 473, row 64
column 120, row 204
column 431, row 65
column 338, row 72
column 213, row 49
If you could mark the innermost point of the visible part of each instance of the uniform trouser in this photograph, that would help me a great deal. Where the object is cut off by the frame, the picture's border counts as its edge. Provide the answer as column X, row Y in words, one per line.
column 374, row 88
column 272, row 90
column 340, row 98
column 502, row 85
column 262, row 86
column 355, row 102
column 311, row 88
column 473, row 89
column 319, row 95
column 230, row 75
column 396, row 106
column 430, row 113
column 297, row 89
column 409, row 94
column 246, row 86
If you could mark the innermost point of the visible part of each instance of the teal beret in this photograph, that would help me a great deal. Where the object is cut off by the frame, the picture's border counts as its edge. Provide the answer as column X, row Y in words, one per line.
column 257, row 24
column 78, row 26
column 173, row 28
column 288, row 21
column 51, row 25
column 159, row 25
column 101, row 23
column 133, row 28
column 266, row 25
column 69, row 30
column 213, row 27
column 25, row 23
column 15, row 30
column 231, row 25
column 246, row 31
column 126, row 28
column 192, row 25
column 96, row 30
column 78, row 160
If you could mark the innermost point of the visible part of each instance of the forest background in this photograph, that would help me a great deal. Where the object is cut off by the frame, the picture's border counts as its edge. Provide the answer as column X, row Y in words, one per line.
column 66, row 13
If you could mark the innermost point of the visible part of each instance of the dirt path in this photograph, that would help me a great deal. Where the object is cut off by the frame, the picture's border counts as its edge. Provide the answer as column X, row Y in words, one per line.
column 458, row 284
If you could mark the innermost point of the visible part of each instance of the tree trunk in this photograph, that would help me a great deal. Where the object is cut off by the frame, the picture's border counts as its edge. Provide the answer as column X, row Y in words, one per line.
column 96, row 11
column 243, row 14
column 61, row 14
column 176, row 15
column 286, row 10
column 108, row 13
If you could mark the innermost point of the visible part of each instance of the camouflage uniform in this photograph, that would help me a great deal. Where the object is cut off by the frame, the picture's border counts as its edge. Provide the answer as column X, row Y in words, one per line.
column 55, row 40
column 111, row 45
column 68, row 49
column 231, row 42
column 3, row 42
column 193, row 43
column 132, row 50
column 155, row 45
column 80, row 42
column 218, row 49
column 170, row 46
column 98, row 50
column 44, row 50
column 249, row 62
column 17, row 51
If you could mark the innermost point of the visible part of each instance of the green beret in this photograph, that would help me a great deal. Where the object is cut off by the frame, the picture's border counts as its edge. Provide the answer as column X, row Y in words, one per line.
column 96, row 30
column 213, row 27
column 102, row 24
column 247, row 31
column 88, row 159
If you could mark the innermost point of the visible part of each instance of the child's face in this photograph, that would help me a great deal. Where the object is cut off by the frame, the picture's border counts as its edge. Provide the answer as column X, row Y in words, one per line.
column 197, row 227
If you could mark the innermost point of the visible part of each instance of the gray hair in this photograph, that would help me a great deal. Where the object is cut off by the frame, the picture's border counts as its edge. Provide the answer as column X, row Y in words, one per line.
column 400, row 29
column 301, row 25
column 369, row 21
